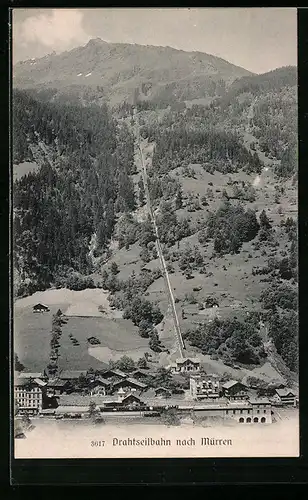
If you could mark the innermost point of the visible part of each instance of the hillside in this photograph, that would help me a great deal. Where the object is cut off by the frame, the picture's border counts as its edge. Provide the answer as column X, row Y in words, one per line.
column 222, row 183
column 117, row 72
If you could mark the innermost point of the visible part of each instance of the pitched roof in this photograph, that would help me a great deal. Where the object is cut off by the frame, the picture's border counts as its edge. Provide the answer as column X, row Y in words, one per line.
column 131, row 394
column 21, row 382
column 29, row 375
column 285, row 392
column 56, row 383
column 231, row 383
column 40, row 382
column 72, row 374
column 143, row 372
column 70, row 409
column 184, row 360
column 132, row 381
column 119, row 373
column 135, row 381
column 162, row 389
column 40, row 305
column 259, row 401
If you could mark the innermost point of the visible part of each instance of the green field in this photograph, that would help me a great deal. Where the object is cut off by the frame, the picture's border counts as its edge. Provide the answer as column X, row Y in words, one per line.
column 32, row 336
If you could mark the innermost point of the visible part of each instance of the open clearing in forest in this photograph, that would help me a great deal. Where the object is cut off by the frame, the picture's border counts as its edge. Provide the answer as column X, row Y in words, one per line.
column 24, row 168
column 32, row 331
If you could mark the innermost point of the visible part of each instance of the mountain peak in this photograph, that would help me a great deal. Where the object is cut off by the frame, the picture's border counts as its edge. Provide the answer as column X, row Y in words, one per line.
column 96, row 41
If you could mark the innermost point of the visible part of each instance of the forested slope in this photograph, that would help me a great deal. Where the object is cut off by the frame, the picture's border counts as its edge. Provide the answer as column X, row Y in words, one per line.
column 223, row 234
column 85, row 179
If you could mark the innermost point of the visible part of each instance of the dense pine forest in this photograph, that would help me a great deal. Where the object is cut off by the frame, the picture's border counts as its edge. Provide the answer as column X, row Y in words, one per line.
column 59, row 208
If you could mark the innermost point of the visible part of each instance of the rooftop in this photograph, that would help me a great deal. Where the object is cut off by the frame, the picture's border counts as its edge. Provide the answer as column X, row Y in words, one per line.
column 119, row 373
column 68, row 409
column 40, row 382
column 199, row 376
column 230, row 383
column 21, row 382
column 184, row 360
column 56, row 383
column 131, row 381
column 254, row 401
column 29, row 375
column 285, row 392
column 143, row 372
column 182, row 403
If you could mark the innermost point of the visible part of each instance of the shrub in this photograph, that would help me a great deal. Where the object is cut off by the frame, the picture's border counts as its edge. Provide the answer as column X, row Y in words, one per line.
column 230, row 226
column 141, row 309
column 76, row 281
column 170, row 417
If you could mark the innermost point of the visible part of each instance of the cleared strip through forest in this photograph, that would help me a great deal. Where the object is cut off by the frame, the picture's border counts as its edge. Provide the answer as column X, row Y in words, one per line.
column 159, row 249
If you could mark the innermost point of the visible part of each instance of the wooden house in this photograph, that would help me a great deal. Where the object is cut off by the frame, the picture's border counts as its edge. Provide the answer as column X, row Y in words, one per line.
column 40, row 308
column 234, row 390
column 162, row 392
column 285, row 397
column 129, row 384
column 184, row 365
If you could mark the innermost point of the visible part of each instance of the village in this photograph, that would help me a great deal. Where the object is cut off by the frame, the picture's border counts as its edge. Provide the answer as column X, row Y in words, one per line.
column 113, row 392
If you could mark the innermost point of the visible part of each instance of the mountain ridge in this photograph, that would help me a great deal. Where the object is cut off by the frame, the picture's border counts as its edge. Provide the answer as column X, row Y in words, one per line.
column 98, row 40
column 120, row 69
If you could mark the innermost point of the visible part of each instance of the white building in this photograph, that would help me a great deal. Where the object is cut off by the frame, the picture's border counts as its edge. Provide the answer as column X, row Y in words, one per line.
column 28, row 394
column 204, row 386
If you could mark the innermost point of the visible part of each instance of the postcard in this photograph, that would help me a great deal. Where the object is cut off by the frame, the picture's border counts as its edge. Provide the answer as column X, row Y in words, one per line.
column 154, row 219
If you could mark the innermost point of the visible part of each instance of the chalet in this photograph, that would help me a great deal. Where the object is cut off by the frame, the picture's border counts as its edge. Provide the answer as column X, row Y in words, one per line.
column 234, row 390
column 56, row 387
column 40, row 308
column 28, row 395
column 205, row 386
column 131, row 401
column 162, row 392
column 184, row 365
column 98, row 386
column 131, row 384
column 72, row 375
column 285, row 397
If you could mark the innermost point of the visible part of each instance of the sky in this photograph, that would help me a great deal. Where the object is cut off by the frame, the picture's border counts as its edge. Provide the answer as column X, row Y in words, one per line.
column 257, row 39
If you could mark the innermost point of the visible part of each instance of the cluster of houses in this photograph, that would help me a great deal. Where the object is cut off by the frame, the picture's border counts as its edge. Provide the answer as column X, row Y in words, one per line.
column 112, row 390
